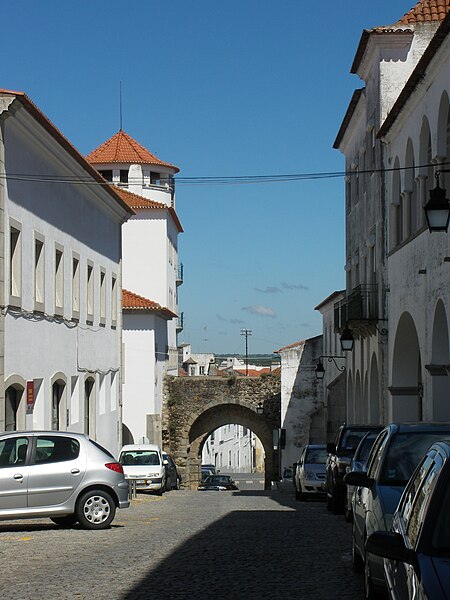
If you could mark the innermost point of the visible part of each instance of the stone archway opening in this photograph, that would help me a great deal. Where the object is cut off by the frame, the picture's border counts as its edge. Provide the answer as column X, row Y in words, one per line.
column 219, row 416
column 233, row 449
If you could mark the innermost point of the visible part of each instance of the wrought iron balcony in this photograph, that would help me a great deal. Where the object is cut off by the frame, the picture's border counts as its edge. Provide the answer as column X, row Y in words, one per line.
column 179, row 275
column 358, row 310
column 180, row 322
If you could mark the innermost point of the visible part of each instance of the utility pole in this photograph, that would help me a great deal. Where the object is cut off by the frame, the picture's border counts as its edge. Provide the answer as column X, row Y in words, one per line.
column 246, row 332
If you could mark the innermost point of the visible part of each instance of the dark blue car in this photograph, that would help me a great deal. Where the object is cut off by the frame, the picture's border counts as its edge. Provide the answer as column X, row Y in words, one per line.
column 395, row 455
column 417, row 549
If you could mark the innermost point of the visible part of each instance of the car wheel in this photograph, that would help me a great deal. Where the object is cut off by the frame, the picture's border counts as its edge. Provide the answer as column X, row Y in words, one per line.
column 67, row 521
column 95, row 510
column 370, row 593
column 357, row 561
column 348, row 513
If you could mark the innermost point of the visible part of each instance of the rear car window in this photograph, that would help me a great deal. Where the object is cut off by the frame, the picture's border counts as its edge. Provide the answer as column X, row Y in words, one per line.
column 351, row 438
column 316, row 456
column 139, row 457
column 51, row 449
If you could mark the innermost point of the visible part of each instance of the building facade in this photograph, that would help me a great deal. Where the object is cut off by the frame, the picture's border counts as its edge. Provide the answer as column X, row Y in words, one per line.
column 393, row 136
column 61, row 282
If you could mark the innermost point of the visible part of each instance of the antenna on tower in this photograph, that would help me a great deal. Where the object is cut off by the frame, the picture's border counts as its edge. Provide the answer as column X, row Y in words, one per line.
column 120, row 104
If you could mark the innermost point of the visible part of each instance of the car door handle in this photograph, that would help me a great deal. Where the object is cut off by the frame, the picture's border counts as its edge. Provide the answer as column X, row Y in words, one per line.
column 75, row 471
column 18, row 476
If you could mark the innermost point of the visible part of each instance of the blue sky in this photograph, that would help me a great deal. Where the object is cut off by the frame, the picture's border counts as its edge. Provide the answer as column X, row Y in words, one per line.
column 246, row 87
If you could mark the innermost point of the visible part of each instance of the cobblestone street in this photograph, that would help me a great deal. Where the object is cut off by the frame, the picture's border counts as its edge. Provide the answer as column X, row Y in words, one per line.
column 187, row 545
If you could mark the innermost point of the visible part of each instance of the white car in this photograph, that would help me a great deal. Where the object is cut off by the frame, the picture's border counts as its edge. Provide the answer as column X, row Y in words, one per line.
column 144, row 464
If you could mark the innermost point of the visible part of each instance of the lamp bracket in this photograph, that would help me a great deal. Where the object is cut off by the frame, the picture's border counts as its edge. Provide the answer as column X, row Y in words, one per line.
column 332, row 359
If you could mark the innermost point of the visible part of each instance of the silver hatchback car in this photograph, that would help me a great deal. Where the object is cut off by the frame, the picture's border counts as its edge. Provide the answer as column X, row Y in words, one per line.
column 64, row 476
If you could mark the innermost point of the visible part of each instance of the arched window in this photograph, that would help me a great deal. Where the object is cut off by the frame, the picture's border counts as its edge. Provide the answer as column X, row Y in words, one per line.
column 57, row 406
column 410, row 211
column 13, row 396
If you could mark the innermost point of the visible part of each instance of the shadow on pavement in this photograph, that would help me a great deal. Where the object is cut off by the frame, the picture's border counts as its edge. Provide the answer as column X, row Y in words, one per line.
column 257, row 554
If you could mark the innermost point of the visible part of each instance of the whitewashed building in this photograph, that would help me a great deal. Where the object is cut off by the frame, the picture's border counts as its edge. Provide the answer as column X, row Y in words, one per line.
column 334, row 362
column 394, row 136
column 60, row 282
column 152, row 272
column 302, row 412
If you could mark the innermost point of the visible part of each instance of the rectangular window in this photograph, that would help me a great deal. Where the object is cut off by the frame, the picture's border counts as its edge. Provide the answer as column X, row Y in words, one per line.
column 15, row 264
column 155, row 178
column 107, row 174
column 75, row 287
column 39, row 273
column 113, row 301
column 90, row 291
column 59, row 279
column 123, row 175
column 102, row 297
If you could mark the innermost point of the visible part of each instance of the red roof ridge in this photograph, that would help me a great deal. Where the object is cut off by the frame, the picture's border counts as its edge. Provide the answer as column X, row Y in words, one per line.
column 133, row 301
column 122, row 148
column 135, row 201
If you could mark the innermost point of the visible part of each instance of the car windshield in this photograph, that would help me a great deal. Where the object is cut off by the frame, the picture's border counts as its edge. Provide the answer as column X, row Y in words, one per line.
column 316, row 456
column 139, row 457
column 404, row 454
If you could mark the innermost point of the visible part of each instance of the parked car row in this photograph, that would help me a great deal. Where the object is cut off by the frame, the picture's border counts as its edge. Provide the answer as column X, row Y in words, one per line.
column 69, row 478
column 393, row 484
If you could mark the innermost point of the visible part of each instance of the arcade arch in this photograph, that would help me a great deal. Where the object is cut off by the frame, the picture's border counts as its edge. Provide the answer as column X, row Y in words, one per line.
column 440, row 358
column 406, row 375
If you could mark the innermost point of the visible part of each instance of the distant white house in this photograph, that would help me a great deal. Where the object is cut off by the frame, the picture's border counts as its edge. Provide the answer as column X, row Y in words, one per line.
column 151, row 271
column 61, row 292
column 195, row 364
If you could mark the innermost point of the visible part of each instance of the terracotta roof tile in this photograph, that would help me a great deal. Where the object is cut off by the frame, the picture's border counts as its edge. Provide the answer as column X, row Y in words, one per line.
column 131, row 301
column 122, row 148
column 135, row 201
column 426, row 10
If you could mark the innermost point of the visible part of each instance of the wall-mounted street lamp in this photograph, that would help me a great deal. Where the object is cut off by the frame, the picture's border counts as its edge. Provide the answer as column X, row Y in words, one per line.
column 260, row 409
column 347, row 340
column 437, row 209
column 320, row 370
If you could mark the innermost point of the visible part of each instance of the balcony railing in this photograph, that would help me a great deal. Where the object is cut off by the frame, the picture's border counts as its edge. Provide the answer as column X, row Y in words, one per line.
column 180, row 322
column 360, row 306
column 179, row 275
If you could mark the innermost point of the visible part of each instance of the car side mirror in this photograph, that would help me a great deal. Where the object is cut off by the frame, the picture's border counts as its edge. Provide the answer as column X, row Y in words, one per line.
column 389, row 544
column 358, row 479
column 165, row 462
column 331, row 448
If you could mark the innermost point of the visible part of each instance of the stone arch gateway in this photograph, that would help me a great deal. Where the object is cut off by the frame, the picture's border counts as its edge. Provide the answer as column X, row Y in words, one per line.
column 193, row 407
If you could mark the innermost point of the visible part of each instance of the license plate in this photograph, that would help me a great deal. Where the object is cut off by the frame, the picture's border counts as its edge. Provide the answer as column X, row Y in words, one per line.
column 141, row 481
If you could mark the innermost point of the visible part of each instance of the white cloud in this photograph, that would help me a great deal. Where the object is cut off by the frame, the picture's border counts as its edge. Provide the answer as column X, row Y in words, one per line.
column 262, row 311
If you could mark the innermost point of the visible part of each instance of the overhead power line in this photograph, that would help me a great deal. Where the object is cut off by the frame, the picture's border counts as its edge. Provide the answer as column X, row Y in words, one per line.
column 215, row 180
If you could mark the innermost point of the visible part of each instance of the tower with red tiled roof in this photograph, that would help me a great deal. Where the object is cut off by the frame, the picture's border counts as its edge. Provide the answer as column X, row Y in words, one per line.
column 151, row 276
column 126, row 163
